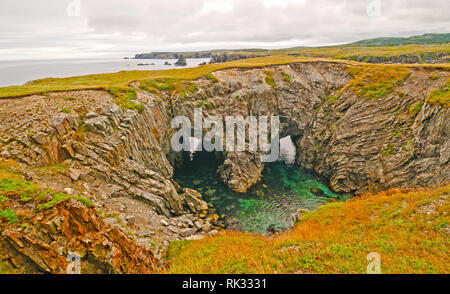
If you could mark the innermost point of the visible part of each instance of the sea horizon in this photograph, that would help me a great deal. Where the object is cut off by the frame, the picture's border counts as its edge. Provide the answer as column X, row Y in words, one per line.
column 19, row 72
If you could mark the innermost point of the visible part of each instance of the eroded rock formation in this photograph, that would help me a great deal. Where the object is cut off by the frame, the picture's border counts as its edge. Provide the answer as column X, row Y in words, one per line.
column 73, row 228
column 357, row 143
column 122, row 159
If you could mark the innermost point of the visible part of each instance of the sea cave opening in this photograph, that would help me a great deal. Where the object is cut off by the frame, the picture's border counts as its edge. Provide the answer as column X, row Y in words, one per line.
column 271, row 205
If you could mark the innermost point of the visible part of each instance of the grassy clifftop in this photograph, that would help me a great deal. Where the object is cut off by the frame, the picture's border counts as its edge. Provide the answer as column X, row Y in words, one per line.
column 408, row 229
column 422, row 39
column 349, row 51
column 121, row 80
column 124, row 78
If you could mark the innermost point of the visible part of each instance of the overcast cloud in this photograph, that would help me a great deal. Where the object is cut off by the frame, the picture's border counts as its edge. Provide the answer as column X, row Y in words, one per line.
column 48, row 29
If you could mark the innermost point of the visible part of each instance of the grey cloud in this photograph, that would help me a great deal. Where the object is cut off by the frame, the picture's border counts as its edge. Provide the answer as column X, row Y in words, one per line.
column 145, row 25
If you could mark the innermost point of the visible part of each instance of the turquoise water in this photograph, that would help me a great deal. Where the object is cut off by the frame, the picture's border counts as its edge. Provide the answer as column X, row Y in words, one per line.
column 283, row 191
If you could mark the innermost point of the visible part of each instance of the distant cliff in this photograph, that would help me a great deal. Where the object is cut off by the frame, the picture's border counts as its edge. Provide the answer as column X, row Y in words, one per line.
column 427, row 57
column 173, row 55
column 217, row 55
column 225, row 57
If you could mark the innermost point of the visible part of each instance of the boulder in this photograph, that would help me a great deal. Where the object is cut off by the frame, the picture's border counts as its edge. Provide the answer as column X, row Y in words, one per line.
column 40, row 138
column 99, row 125
column 5, row 154
column 194, row 200
column 74, row 174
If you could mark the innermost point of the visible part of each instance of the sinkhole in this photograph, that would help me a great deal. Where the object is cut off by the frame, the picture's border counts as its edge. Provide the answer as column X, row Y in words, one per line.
column 269, row 205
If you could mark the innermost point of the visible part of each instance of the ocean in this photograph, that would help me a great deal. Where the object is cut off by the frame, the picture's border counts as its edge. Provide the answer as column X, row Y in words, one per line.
column 18, row 72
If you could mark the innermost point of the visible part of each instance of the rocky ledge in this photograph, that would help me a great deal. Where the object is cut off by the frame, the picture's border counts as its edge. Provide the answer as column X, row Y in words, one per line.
column 73, row 228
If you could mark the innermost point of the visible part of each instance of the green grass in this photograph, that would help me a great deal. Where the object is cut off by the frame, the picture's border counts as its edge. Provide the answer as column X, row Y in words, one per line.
column 57, row 168
column 172, row 86
column 286, row 77
column 14, row 187
column 81, row 132
column 270, row 80
column 179, row 81
column 205, row 102
column 350, row 52
column 58, row 198
column 416, row 108
column 211, row 77
column 440, row 96
column 422, row 39
column 375, row 82
column 157, row 85
column 434, row 76
column 122, row 79
column 125, row 98
column 336, row 238
column 66, row 110
column 186, row 89
column 389, row 150
column 10, row 215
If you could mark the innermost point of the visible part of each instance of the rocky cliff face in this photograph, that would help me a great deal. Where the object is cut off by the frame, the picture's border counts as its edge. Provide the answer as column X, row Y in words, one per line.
column 357, row 143
column 225, row 57
column 121, row 159
column 47, row 246
column 85, row 144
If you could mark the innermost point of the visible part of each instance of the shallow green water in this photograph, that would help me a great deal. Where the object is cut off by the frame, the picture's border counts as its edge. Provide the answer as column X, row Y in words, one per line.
column 283, row 190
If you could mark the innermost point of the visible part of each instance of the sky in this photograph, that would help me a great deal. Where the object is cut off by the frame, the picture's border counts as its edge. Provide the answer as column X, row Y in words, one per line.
column 54, row 29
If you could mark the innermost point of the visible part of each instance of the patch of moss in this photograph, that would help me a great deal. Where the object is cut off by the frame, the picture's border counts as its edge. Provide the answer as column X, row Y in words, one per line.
column 125, row 98
column 186, row 88
column 388, row 151
column 16, row 187
column 374, row 82
column 173, row 86
column 10, row 215
column 81, row 132
column 287, row 78
column 202, row 103
column 157, row 85
column 58, row 198
column 270, row 80
column 13, row 186
column 66, row 110
column 440, row 96
column 434, row 76
column 211, row 77
column 416, row 108
column 57, row 168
